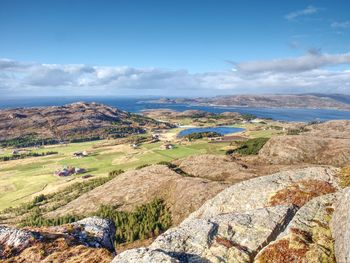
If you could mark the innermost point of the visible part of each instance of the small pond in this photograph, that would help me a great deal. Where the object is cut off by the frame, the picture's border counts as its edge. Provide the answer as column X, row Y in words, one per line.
column 220, row 129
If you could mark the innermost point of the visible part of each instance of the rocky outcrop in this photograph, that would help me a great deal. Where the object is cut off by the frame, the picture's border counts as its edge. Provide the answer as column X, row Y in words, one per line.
column 307, row 238
column 226, row 237
column 306, row 149
column 259, row 192
column 63, row 242
column 102, row 231
column 247, row 218
column 14, row 240
column 183, row 195
column 340, row 226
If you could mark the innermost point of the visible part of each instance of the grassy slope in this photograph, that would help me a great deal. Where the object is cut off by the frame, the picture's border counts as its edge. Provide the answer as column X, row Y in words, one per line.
column 20, row 180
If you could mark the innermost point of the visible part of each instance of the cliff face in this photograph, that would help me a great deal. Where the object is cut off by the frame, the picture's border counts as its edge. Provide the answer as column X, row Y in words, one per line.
column 284, row 217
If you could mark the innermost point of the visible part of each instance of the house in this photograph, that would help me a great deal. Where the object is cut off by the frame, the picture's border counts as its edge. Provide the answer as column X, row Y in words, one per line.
column 81, row 154
column 65, row 172
column 168, row 146
column 155, row 136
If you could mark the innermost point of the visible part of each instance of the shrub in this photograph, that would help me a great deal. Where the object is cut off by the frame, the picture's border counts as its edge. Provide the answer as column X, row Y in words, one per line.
column 175, row 168
column 201, row 135
column 142, row 166
column 145, row 221
column 252, row 146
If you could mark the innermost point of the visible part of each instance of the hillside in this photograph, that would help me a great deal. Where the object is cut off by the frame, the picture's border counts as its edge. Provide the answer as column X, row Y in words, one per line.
column 324, row 143
column 266, row 101
column 74, row 122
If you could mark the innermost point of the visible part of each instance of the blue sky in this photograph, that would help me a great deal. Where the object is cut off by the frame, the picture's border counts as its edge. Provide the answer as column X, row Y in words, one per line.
column 183, row 47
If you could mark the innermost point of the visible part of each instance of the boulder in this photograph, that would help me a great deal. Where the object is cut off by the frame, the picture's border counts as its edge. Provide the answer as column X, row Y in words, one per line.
column 97, row 232
column 340, row 226
column 83, row 241
column 13, row 240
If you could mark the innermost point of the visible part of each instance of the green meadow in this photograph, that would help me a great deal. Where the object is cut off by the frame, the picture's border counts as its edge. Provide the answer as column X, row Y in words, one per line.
column 21, row 180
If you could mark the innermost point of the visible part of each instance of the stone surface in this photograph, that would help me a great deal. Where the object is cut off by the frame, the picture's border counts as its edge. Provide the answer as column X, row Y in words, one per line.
column 340, row 226
column 307, row 238
column 235, row 237
column 144, row 255
column 97, row 232
column 13, row 240
column 91, row 237
column 257, row 192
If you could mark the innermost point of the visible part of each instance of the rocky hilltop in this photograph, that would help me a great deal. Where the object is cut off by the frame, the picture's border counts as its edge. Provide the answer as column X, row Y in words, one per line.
column 284, row 217
column 324, row 143
column 74, row 122
column 267, row 101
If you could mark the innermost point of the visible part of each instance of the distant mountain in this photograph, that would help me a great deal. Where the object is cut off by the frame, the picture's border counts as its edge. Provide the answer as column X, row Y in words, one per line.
column 335, row 101
column 74, row 122
column 338, row 97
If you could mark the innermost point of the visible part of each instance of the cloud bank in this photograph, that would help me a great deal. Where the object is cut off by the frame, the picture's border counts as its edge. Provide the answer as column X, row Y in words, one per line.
column 308, row 73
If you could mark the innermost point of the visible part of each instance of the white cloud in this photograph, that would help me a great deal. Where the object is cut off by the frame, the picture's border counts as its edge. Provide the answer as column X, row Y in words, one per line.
column 342, row 25
column 304, row 12
column 312, row 60
column 301, row 74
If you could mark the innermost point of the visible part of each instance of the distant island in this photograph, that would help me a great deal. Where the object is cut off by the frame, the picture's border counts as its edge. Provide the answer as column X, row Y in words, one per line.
column 316, row 101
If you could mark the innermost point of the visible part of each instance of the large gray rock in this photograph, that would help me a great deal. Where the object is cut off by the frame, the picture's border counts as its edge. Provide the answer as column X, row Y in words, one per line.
column 307, row 238
column 96, row 232
column 235, row 237
column 13, row 239
column 92, row 232
column 340, row 226
column 257, row 192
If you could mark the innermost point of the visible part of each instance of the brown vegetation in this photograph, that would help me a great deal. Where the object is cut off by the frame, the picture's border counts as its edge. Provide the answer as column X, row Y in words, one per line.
column 301, row 192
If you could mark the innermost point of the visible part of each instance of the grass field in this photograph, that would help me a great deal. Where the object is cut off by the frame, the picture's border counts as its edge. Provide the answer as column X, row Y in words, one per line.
column 21, row 180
